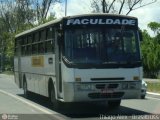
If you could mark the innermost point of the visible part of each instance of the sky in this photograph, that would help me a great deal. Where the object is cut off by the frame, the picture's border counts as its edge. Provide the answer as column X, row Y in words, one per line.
column 145, row 14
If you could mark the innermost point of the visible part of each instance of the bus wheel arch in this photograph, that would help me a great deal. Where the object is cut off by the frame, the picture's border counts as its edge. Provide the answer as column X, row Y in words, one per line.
column 52, row 94
column 51, row 88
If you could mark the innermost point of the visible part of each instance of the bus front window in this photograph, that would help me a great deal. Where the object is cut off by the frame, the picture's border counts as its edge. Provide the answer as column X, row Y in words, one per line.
column 101, row 46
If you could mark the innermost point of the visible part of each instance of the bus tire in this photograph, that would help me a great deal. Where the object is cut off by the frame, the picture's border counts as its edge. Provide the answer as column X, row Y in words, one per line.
column 143, row 97
column 114, row 103
column 26, row 92
column 52, row 95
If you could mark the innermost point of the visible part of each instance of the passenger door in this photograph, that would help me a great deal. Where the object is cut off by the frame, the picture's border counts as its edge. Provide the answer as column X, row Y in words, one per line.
column 58, row 52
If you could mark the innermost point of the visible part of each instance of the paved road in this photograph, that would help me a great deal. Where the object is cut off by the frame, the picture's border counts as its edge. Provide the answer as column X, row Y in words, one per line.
column 15, row 106
column 37, row 107
column 7, row 84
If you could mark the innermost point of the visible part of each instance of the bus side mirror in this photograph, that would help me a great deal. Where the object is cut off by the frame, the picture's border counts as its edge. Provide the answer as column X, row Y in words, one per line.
column 140, row 35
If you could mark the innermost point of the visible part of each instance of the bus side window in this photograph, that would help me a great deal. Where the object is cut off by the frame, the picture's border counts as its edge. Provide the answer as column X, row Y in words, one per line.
column 29, row 39
column 49, row 43
column 34, row 48
column 49, row 46
column 42, row 35
column 16, row 47
column 23, row 45
column 36, row 37
column 41, row 48
column 49, row 33
column 24, row 50
column 29, row 48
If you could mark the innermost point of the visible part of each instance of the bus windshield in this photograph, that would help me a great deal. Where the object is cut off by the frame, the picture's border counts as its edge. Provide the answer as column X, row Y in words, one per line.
column 100, row 46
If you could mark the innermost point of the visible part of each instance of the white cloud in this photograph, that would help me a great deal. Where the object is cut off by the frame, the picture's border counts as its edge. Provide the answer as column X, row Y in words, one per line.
column 79, row 7
column 147, row 14
column 57, row 9
column 74, row 7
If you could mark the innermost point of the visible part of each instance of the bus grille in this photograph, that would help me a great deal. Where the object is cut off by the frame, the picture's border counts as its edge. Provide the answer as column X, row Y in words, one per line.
column 106, row 95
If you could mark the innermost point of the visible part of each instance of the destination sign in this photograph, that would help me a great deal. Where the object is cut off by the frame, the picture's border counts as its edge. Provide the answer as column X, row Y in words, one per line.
column 96, row 21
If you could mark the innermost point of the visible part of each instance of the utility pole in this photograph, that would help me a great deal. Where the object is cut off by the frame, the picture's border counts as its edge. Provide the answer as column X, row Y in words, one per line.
column 66, row 8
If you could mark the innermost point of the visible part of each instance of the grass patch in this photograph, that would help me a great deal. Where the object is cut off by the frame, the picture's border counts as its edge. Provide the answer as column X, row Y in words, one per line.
column 8, row 72
column 153, row 87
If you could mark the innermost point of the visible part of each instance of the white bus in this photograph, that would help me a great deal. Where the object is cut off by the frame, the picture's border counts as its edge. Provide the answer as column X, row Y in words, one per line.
column 94, row 57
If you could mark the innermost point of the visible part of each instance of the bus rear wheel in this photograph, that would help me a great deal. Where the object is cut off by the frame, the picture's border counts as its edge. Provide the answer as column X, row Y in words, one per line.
column 26, row 92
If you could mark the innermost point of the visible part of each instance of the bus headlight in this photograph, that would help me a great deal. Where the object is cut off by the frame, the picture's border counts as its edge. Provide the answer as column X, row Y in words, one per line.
column 132, row 85
column 85, row 87
column 129, row 85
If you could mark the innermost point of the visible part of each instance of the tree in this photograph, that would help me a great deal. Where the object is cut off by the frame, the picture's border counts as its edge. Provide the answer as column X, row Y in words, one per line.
column 17, row 16
column 155, row 27
column 151, row 55
column 119, row 6
column 41, row 9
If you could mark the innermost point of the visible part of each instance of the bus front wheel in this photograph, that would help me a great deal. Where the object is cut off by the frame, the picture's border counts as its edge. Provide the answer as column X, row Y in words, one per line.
column 55, row 103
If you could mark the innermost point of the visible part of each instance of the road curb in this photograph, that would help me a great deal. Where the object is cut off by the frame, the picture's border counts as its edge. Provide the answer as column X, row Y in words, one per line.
column 152, row 93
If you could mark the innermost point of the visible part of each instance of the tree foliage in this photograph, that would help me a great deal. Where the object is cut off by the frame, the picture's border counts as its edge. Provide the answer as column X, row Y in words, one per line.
column 17, row 16
column 155, row 27
column 151, row 52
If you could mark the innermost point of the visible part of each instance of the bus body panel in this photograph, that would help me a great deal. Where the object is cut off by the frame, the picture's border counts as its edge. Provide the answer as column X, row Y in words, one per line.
column 37, row 76
column 98, row 95
column 118, row 73
column 100, row 77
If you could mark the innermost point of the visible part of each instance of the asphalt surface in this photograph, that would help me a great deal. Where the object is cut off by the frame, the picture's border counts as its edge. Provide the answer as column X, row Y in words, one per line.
column 15, row 106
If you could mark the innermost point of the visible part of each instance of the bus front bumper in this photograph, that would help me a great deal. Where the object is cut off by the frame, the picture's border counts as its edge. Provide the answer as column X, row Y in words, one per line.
column 83, row 92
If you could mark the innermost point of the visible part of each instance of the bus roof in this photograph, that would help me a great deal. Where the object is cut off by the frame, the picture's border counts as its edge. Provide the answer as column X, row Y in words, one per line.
column 38, row 27
column 100, row 14
column 70, row 17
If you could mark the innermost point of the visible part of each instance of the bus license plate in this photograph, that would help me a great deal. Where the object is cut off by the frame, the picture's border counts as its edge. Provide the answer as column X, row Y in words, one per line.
column 107, row 91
